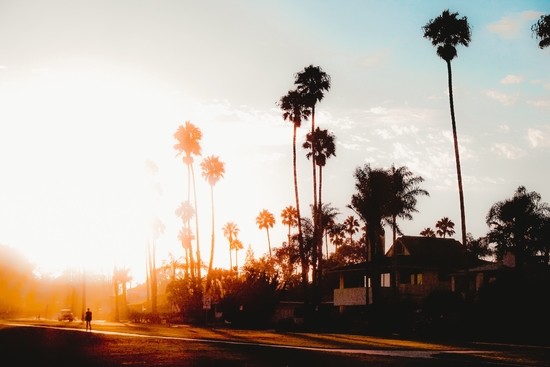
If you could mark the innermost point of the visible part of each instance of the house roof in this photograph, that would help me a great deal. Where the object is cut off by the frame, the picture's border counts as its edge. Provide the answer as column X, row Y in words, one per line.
column 432, row 252
column 416, row 252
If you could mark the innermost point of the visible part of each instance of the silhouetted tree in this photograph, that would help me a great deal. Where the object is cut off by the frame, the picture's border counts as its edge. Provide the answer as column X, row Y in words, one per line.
column 541, row 30
column 427, row 232
column 266, row 220
column 445, row 227
column 404, row 190
column 351, row 227
column 230, row 231
column 295, row 110
column 289, row 217
column 372, row 202
column 446, row 32
column 212, row 169
column 478, row 248
column 189, row 137
column 517, row 225
column 186, row 212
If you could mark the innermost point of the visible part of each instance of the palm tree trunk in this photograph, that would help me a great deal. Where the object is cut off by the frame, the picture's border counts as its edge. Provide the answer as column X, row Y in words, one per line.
column 196, row 225
column 457, row 155
column 192, row 263
column 268, row 241
column 210, row 264
column 301, row 249
column 230, row 255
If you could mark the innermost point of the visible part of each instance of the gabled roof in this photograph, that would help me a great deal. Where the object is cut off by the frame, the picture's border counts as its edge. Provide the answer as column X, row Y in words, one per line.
column 428, row 252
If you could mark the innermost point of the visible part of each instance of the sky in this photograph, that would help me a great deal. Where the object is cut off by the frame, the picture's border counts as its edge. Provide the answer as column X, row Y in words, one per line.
column 89, row 91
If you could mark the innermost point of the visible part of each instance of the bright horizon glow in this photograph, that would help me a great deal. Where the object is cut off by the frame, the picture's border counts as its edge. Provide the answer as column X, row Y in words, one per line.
column 88, row 93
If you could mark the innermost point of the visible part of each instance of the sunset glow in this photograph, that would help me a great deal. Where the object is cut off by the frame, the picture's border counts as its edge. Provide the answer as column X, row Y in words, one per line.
column 85, row 101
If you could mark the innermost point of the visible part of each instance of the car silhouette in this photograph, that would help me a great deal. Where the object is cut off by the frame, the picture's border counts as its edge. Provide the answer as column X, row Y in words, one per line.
column 65, row 315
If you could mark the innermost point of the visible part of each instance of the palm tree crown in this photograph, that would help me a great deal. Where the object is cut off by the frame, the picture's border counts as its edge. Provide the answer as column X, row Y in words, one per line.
column 427, row 232
column 541, row 30
column 266, row 220
column 312, row 83
column 212, row 169
column 445, row 227
column 188, row 137
column 446, row 32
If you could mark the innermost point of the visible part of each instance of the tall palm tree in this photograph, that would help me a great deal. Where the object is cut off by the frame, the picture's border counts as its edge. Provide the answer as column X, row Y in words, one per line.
column 327, row 220
column 337, row 235
column 351, row 227
column 445, row 227
column 266, row 220
column 158, row 229
column 312, row 83
column 295, row 110
column 186, row 212
column 427, row 232
column 212, row 170
column 230, row 231
column 189, row 137
column 446, row 32
column 185, row 236
column 237, row 245
column 289, row 217
column 541, row 30
column 321, row 144
column 405, row 189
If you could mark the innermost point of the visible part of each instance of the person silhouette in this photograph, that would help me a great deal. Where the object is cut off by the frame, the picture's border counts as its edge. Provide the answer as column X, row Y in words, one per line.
column 88, row 320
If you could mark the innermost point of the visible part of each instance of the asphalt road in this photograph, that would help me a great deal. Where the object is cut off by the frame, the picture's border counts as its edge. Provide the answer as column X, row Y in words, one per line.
column 67, row 344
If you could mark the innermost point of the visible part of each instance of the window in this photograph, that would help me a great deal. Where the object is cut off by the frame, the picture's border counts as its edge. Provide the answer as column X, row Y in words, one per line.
column 416, row 278
column 385, row 279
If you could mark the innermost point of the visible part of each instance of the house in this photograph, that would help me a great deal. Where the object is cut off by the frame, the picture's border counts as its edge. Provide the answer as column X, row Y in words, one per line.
column 411, row 269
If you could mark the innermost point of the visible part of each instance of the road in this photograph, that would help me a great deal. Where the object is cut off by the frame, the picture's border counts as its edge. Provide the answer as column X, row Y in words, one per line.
column 110, row 344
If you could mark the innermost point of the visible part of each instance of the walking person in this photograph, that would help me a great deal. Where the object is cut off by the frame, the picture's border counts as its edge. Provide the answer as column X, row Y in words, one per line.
column 88, row 320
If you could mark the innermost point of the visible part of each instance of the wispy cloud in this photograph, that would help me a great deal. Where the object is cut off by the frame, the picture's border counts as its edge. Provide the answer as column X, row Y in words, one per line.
column 540, row 103
column 512, row 79
column 539, row 137
column 509, row 28
column 375, row 60
column 508, row 150
column 504, row 128
column 3, row 67
column 504, row 98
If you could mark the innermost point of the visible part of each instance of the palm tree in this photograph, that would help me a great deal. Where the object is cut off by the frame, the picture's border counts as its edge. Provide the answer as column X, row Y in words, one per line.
column 518, row 225
column 312, row 83
column 295, row 110
column 266, row 220
column 212, row 170
column 188, row 137
column 336, row 234
column 427, row 232
column 328, row 216
column 185, row 236
column 541, row 30
column 230, row 231
column 372, row 204
column 445, row 227
column 122, row 277
column 404, row 192
column 322, row 146
column 446, row 32
column 158, row 229
column 237, row 245
column 351, row 227
column 171, row 265
column 289, row 217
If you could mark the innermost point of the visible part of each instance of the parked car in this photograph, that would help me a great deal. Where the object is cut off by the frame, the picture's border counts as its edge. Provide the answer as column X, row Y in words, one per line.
column 65, row 315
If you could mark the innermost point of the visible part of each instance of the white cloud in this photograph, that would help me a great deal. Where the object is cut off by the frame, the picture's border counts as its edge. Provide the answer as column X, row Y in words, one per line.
column 504, row 98
column 509, row 27
column 404, row 130
column 504, row 128
column 512, row 79
column 539, row 137
column 378, row 110
column 3, row 67
column 537, row 81
column 508, row 150
column 385, row 134
column 375, row 60
column 539, row 103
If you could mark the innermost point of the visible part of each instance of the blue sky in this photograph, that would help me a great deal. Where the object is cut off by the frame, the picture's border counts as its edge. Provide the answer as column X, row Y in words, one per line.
column 89, row 90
